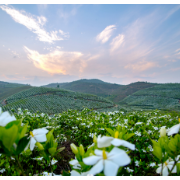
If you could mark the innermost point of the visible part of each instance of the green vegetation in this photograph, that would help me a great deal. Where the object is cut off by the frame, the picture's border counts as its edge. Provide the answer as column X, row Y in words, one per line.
column 53, row 100
column 53, row 157
column 113, row 92
column 8, row 89
column 164, row 96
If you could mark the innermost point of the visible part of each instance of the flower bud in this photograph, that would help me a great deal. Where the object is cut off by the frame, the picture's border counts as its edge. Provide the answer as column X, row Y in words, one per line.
column 81, row 149
column 94, row 139
column 163, row 132
column 74, row 148
column 40, row 146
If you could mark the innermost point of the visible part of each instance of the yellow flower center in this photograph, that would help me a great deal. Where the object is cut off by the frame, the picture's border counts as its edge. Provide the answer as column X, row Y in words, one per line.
column 31, row 134
column 104, row 154
column 116, row 134
column 166, row 163
column 179, row 120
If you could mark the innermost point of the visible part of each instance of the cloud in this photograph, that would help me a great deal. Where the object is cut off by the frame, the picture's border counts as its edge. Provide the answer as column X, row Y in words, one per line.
column 116, row 42
column 105, row 34
column 140, row 66
column 57, row 62
column 34, row 24
column 177, row 50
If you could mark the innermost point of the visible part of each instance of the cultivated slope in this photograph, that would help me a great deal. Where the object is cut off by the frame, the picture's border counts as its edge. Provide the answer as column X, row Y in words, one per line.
column 49, row 100
column 164, row 96
column 8, row 89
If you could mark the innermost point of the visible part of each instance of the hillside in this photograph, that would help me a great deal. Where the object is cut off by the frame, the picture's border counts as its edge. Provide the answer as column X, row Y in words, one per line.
column 49, row 100
column 126, row 90
column 113, row 92
column 91, row 86
column 7, row 89
column 164, row 96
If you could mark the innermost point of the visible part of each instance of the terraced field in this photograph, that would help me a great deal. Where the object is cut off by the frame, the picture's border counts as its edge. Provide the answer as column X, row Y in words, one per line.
column 165, row 96
column 53, row 101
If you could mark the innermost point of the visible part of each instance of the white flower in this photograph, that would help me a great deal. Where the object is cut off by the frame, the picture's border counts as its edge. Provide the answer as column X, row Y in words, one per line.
column 2, row 170
column 109, row 162
column 138, row 123
column 129, row 170
column 106, row 141
column 75, row 173
column 47, row 174
column 167, row 165
column 174, row 129
column 152, row 164
column 137, row 163
column 54, row 161
column 5, row 118
column 75, row 163
column 38, row 158
column 37, row 135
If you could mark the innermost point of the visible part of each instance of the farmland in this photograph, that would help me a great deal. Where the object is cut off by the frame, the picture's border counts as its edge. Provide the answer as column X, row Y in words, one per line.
column 53, row 101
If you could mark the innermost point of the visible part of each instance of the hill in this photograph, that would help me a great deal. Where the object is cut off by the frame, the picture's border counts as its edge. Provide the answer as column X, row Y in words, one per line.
column 164, row 96
column 7, row 89
column 113, row 92
column 90, row 86
column 49, row 100
column 126, row 90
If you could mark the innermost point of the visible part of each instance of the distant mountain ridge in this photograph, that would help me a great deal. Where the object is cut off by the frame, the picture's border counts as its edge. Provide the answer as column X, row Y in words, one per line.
column 113, row 92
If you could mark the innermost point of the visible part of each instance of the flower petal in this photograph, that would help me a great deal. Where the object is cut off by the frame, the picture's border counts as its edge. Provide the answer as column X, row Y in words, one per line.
column 165, row 171
column 39, row 131
column 158, row 170
column 32, row 143
column 74, row 173
column 91, row 160
column 97, row 168
column 174, row 129
column 73, row 162
column 119, row 142
column 119, row 157
column 104, row 141
column 110, row 168
column 40, row 138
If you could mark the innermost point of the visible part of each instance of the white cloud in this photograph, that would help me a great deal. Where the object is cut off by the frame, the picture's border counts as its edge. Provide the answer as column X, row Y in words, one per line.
column 105, row 34
column 177, row 50
column 33, row 23
column 116, row 42
column 57, row 62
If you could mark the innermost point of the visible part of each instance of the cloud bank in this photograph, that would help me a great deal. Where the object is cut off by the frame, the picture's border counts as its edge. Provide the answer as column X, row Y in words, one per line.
column 34, row 24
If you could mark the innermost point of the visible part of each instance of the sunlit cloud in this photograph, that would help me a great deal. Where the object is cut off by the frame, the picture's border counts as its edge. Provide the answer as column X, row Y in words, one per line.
column 105, row 34
column 57, row 62
column 116, row 42
column 34, row 24
column 140, row 66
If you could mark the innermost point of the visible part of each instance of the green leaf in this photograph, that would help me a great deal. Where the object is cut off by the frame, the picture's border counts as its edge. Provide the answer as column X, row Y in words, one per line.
column 9, row 136
column 23, row 131
column 157, row 152
column 178, row 168
column 22, row 144
column 127, row 136
column 110, row 131
column 60, row 149
column 52, row 151
column 10, row 124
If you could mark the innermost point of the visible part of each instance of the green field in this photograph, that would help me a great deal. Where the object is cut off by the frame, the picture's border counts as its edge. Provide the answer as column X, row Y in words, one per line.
column 49, row 100
column 164, row 96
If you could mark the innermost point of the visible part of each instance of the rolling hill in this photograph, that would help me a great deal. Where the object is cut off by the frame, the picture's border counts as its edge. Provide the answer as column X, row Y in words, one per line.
column 113, row 92
column 51, row 101
column 7, row 89
column 164, row 96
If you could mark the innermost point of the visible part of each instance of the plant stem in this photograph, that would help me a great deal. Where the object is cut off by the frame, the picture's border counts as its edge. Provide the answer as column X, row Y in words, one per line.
column 17, row 158
column 173, row 167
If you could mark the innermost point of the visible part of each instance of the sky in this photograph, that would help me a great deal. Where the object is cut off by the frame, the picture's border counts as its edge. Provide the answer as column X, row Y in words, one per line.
column 117, row 43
